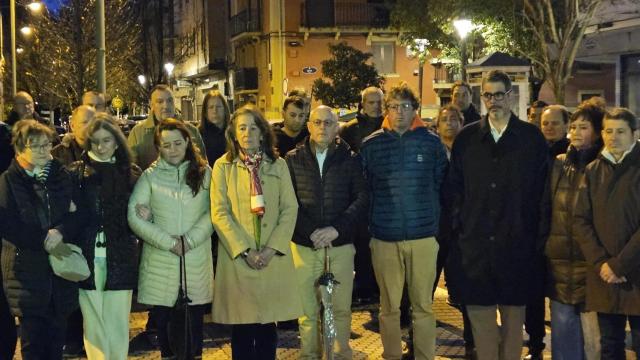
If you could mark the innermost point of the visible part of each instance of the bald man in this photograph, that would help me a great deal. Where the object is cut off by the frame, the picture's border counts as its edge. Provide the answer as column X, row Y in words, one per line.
column 72, row 145
column 332, row 195
column 95, row 99
column 24, row 108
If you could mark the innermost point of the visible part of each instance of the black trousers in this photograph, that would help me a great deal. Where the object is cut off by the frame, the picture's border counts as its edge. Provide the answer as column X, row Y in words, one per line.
column 612, row 335
column 364, row 283
column 8, row 335
column 75, row 332
column 535, row 308
column 254, row 341
column 163, row 321
column 42, row 336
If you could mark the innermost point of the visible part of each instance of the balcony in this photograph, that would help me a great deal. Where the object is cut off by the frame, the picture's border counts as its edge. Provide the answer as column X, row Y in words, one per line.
column 328, row 14
column 444, row 76
column 246, row 21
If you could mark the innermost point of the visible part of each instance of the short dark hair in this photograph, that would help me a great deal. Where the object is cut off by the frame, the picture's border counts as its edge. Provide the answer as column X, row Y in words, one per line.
column 160, row 87
column 297, row 101
column 498, row 76
column 298, row 92
column 404, row 92
column 26, row 129
column 563, row 111
column 460, row 83
column 622, row 114
column 450, row 107
column 268, row 138
column 538, row 104
column 590, row 112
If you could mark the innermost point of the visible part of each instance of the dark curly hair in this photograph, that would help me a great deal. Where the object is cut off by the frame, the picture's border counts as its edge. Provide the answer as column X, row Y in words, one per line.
column 197, row 165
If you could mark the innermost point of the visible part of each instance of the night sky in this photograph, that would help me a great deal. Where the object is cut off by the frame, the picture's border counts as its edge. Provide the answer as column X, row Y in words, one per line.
column 53, row 5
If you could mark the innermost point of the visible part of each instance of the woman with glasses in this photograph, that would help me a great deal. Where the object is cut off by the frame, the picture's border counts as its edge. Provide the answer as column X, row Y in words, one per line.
column 38, row 218
column 169, row 211
column 106, row 176
column 254, row 210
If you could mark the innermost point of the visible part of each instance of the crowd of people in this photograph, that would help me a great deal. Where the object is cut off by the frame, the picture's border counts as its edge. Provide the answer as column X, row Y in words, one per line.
column 512, row 211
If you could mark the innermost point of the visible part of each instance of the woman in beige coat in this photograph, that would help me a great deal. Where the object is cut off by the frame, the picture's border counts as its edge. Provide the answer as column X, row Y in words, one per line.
column 170, row 206
column 254, row 210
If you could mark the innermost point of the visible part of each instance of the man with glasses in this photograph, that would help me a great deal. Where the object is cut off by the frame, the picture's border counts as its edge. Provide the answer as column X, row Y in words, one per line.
column 24, row 108
column 495, row 184
column 404, row 164
column 461, row 97
column 292, row 130
column 332, row 197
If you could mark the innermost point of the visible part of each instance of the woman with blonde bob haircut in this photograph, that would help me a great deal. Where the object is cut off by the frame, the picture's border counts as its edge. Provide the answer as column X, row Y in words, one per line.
column 254, row 211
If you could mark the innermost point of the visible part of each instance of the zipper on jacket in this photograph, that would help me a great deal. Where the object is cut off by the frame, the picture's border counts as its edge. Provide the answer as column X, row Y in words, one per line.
column 402, row 181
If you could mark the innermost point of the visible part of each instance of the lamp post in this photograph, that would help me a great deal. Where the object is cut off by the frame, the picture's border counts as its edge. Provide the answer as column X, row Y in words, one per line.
column 463, row 27
column 169, row 69
column 421, row 47
column 34, row 6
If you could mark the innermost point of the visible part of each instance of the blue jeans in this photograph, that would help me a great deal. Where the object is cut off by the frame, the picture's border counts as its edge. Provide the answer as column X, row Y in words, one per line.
column 612, row 332
column 574, row 335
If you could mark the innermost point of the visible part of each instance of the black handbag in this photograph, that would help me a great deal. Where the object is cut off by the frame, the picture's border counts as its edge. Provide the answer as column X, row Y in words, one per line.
column 180, row 336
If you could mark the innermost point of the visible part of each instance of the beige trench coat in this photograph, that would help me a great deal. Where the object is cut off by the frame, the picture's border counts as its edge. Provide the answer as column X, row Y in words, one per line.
column 243, row 295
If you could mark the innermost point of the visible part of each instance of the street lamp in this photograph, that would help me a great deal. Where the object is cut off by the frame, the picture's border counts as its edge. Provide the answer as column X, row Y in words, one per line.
column 19, row 50
column 464, row 27
column 169, row 68
column 34, row 6
column 26, row 30
column 142, row 80
column 421, row 45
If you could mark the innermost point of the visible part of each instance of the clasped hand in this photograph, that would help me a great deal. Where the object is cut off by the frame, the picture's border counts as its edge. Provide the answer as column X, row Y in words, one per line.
column 259, row 260
column 608, row 276
column 322, row 237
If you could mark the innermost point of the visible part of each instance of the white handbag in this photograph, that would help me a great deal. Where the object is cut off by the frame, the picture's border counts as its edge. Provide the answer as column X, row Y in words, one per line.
column 73, row 267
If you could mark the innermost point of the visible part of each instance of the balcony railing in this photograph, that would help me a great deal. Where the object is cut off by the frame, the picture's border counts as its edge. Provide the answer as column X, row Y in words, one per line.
column 443, row 74
column 319, row 14
column 245, row 21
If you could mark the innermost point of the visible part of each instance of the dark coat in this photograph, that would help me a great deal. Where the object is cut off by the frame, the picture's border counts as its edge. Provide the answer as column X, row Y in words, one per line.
column 105, row 195
column 471, row 115
column 567, row 278
column 559, row 147
column 404, row 174
column 338, row 198
column 68, row 151
column 214, row 141
column 27, row 211
column 494, row 190
column 356, row 130
column 607, row 226
column 6, row 149
column 285, row 143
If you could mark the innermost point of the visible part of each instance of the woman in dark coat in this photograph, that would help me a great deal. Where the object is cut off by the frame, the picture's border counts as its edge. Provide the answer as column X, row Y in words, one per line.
column 38, row 217
column 607, row 226
column 105, row 176
column 215, row 117
column 575, row 332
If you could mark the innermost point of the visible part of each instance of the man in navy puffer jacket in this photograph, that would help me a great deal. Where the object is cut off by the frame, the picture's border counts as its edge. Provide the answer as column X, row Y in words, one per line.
column 404, row 164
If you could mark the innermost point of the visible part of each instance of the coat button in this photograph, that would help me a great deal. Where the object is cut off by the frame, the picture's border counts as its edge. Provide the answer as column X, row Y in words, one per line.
column 492, row 238
column 493, row 185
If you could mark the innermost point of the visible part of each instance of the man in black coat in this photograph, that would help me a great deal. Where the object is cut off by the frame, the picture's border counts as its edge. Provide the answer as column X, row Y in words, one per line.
column 292, row 130
column 495, row 184
column 332, row 195
column 461, row 97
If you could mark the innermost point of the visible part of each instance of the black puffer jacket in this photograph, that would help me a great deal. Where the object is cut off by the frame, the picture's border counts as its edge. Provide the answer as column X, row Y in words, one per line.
column 356, row 130
column 214, row 141
column 338, row 198
column 27, row 211
column 105, row 195
column 565, row 261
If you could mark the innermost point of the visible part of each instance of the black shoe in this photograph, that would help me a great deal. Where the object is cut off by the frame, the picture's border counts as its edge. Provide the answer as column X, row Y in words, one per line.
column 73, row 350
column 288, row 325
column 534, row 355
column 143, row 342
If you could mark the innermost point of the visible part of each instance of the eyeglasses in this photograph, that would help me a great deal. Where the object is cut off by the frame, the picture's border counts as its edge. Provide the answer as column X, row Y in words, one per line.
column 496, row 95
column 400, row 107
column 44, row 147
column 326, row 123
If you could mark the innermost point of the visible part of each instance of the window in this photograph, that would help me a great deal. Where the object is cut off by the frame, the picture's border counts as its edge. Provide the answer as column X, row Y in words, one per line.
column 384, row 57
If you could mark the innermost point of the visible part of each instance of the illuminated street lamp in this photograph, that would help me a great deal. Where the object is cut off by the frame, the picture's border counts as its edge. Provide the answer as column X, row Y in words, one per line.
column 19, row 50
column 26, row 30
column 463, row 27
column 142, row 80
column 34, row 6
column 169, row 68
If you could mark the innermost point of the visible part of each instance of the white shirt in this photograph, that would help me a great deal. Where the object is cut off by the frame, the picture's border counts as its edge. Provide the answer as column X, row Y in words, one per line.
column 320, row 157
column 494, row 131
column 607, row 154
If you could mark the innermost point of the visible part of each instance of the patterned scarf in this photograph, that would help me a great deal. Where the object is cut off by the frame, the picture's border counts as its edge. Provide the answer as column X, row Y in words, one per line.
column 252, row 162
column 42, row 174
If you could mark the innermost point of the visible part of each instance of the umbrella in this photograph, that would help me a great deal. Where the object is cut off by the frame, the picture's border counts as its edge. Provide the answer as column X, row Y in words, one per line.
column 326, row 285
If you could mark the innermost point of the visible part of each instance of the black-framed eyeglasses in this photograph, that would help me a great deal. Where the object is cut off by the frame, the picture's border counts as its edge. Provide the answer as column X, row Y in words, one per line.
column 496, row 95
column 43, row 147
column 400, row 107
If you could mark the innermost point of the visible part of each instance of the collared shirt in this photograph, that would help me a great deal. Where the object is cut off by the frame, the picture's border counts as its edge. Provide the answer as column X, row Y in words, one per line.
column 607, row 154
column 494, row 131
column 320, row 157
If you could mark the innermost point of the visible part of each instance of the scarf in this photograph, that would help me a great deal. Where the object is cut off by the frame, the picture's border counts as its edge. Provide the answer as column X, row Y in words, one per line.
column 252, row 162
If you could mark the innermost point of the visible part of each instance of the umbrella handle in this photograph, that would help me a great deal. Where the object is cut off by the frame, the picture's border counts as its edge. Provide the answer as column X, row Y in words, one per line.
column 327, row 265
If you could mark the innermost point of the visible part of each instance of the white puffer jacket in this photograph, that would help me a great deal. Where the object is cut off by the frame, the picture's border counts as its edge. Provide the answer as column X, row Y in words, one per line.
column 175, row 212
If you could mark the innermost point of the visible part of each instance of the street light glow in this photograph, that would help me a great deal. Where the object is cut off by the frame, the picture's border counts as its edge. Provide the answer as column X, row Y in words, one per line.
column 142, row 79
column 35, row 6
column 169, row 68
column 26, row 30
column 19, row 50
column 463, row 26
